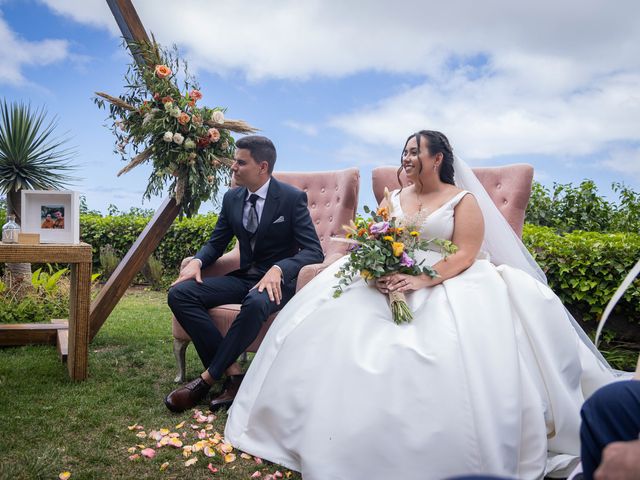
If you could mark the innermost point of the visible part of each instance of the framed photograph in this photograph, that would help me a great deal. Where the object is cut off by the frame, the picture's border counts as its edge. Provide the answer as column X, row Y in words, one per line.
column 54, row 214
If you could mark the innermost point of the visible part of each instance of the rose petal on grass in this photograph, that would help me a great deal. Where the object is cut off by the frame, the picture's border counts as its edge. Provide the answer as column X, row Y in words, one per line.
column 226, row 448
column 212, row 469
column 140, row 446
column 208, row 426
column 141, row 435
column 190, row 462
column 202, row 434
column 173, row 435
column 288, row 474
column 230, row 457
column 246, row 456
column 148, row 452
column 209, row 451
column 131, row 449
column 135, row 456
column 180, row 425
column 164, row 466
column 165, row 431
column 256, row 474
column 64, row 475
column 277, row 474
column 157, row 436
column 258, row 460
column 133, row 427
column 175, row 442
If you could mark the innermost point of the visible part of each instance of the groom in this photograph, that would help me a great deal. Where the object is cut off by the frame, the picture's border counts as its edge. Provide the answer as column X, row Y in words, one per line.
column 277, row 238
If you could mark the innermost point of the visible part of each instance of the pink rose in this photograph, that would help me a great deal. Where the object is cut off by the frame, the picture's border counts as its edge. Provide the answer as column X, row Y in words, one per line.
column 195, row 94
column 214, row 134
column 183, row 118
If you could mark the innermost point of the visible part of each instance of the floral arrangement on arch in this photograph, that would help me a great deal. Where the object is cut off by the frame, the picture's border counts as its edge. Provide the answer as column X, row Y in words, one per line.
column 189, row 144
column 381, row 245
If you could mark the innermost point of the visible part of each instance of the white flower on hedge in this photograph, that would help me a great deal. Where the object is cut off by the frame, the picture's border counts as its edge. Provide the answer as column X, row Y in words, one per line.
column 217, row 116
column 177, row 138
column 189, row 144
column 168, row 137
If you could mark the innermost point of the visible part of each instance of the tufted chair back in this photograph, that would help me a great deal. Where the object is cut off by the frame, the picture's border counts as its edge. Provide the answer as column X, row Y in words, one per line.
column 333, row 201
column 508, row 186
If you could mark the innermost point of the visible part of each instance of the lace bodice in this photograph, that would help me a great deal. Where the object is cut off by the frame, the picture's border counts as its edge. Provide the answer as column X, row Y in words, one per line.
column 433, row 224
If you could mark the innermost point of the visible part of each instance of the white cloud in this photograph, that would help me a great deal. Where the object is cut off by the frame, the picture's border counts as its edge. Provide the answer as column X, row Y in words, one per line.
column 16, row 53
column 305, row 128
column 500, row 78
column 624, row 160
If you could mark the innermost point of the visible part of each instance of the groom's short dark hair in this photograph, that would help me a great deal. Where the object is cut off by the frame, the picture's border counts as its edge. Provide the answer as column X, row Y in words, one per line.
column 261, row 148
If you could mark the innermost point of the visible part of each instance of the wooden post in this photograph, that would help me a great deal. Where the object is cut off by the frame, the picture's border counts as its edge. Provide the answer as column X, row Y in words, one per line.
column 133, row 31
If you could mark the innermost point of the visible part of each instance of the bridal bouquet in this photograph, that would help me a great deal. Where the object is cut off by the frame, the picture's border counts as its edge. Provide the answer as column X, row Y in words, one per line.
column 381, row 245
column 189, row 144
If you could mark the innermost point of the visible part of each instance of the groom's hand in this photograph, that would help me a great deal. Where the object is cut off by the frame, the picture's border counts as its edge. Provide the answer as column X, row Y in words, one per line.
column 271, row 282
column 191, row 270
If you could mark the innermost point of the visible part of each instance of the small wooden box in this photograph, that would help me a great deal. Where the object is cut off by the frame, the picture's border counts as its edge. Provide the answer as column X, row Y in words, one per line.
column 29, row 238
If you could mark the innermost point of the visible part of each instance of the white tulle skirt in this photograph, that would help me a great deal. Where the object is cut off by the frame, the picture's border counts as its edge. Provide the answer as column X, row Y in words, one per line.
column 487, row 379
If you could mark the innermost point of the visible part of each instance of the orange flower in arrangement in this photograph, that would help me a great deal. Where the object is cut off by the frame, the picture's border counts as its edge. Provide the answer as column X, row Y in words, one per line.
column 166, row 99
column 362, row 231
column 383, row 212
column 398, row 248
column 195, row 95
column 214, row 134
column 183, row 118
column 162, row 71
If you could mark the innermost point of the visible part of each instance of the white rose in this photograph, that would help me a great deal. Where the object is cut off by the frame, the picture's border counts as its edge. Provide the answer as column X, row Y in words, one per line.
column 217, row 116
column 189, row 144
column 175, row 112
column 168, row 137
column 177, row 138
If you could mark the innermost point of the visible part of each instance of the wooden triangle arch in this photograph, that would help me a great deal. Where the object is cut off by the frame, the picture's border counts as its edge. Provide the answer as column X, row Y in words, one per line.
column 132, row 31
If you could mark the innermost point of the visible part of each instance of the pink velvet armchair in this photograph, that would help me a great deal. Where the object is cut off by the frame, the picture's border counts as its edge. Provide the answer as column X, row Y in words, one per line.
column 508, row 186
column 332, row 200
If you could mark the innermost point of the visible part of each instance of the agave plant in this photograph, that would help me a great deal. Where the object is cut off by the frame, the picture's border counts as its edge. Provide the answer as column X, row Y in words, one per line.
column 31, row 158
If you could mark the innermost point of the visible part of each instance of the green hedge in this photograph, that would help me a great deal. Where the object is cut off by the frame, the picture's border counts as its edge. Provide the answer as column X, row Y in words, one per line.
column 583, row 268
column 586, row 268
column 184, row 238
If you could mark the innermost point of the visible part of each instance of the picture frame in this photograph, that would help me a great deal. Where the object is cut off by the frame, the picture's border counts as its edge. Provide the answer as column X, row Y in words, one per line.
column 53, row 214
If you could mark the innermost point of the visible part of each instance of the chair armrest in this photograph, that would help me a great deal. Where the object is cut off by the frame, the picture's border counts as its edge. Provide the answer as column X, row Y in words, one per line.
column 228, row 262
column 307, row 272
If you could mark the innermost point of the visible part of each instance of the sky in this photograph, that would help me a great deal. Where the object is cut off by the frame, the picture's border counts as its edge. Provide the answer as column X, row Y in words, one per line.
column 341, row 83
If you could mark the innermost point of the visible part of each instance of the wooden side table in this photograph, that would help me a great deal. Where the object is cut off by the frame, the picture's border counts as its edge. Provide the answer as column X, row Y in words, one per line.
column 79, row 256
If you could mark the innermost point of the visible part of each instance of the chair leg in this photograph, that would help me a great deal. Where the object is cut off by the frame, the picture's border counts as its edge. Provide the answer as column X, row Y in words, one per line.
column 179, row 351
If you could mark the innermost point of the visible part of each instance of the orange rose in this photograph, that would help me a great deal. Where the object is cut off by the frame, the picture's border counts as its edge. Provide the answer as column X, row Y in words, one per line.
column 195, row 94
column 162, row 71
column 183, row 118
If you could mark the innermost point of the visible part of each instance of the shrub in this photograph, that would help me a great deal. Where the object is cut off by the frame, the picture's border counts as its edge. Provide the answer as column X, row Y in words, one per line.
column 570, row 208
column 109, row 260
column 152, row 272
column 585, row 268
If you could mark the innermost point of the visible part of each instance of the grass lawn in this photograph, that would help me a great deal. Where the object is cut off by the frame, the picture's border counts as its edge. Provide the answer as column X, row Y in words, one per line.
column 49, row 424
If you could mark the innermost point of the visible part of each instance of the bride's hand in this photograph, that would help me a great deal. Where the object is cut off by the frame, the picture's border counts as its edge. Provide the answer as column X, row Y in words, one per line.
column 400, row 282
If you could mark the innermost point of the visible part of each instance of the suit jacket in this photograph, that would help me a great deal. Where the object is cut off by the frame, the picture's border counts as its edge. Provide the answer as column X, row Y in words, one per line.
column 285, row 237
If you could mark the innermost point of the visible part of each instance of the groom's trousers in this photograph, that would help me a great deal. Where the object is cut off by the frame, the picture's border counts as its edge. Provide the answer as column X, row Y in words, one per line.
column 611, row 414
column 189, row 302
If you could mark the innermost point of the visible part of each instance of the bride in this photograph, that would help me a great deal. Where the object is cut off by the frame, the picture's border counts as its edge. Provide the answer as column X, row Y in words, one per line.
column 488, row 378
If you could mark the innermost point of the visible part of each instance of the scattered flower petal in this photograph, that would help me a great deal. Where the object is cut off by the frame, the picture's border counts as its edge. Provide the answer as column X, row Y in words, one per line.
column 141, row 435
column 180, row 425
column 133, row 427
column 157, row 436
column 148, row 452
column 190, row 462
column 209, row 451
column 246, row 456
column 258, row 460
column 164, row 466
column 229, row 457
column 140, row 446
column 212, row 469
column 226, row 448
column 131, row 449
column 277, row 474
column 256, row 474
column 64, row 475
column 202, row 434
column 175, row 442
column 164, row 431
column 135, row 456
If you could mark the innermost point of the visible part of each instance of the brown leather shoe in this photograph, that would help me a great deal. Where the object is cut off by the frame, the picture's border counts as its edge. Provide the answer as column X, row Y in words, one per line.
column 225, row 399
column 187, row 396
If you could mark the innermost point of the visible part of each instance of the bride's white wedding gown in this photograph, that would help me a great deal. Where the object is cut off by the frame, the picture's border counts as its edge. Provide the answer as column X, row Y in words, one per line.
column 488, row 378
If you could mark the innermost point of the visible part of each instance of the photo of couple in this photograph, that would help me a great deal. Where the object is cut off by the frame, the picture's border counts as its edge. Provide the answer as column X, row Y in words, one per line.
column 52, row 216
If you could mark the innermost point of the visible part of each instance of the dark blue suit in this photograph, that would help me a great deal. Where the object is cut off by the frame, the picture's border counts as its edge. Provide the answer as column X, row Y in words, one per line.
column 285, row 237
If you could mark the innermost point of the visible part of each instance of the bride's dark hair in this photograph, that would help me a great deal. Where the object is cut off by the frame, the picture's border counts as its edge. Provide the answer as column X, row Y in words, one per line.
column 437, row 143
